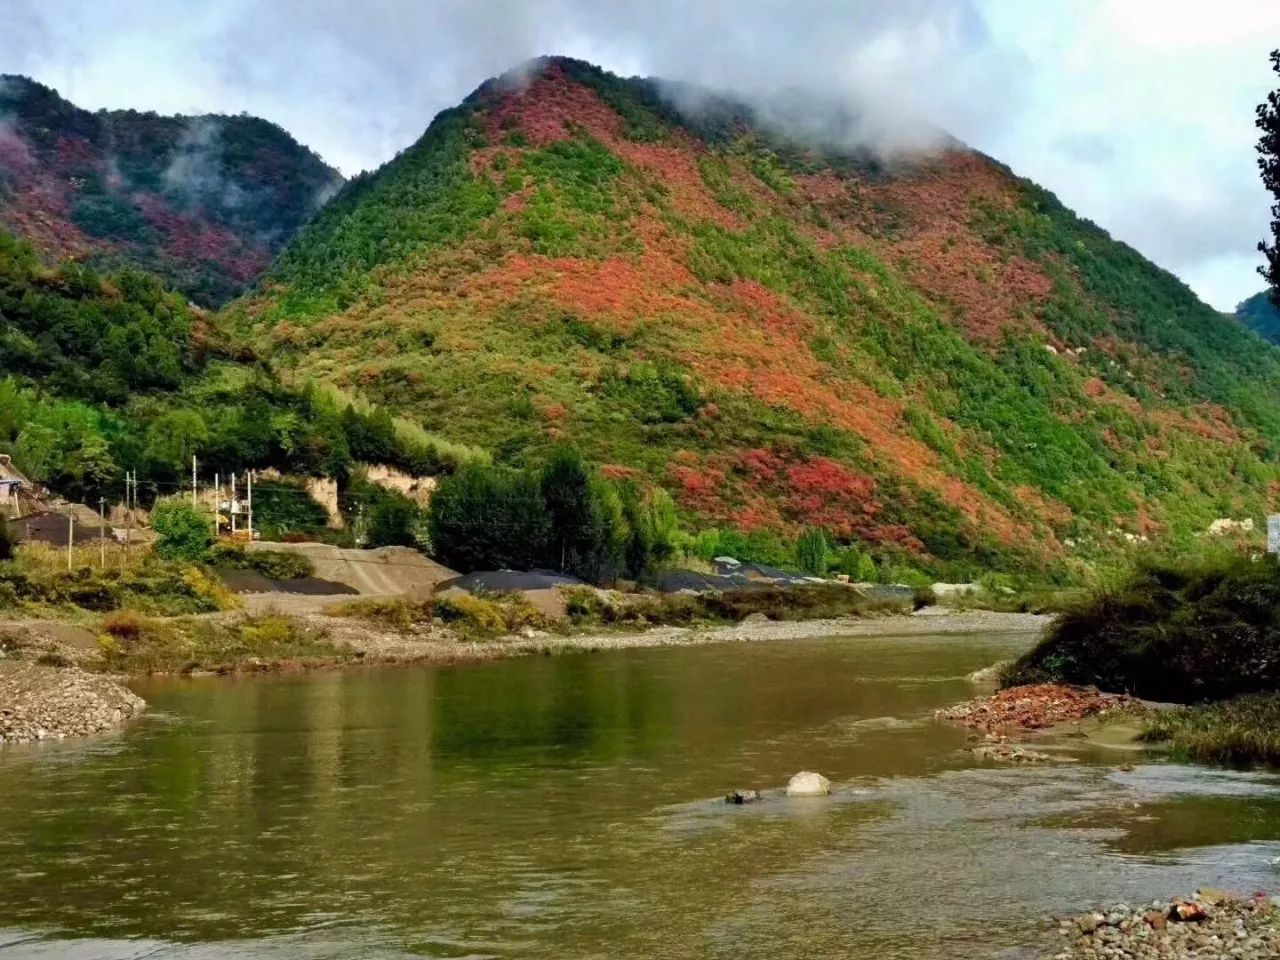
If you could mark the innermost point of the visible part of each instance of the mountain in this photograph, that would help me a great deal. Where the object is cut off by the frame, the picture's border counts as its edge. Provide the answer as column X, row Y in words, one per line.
column 1260, row 315
column 106, row 373
column 205, row 202
column 931, row 358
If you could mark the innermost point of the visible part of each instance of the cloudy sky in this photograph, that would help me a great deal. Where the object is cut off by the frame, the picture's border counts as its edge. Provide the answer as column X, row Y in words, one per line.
column 1138, row 113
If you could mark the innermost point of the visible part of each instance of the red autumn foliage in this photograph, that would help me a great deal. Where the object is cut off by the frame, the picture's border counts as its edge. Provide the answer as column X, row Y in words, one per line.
column 550, row 108
column 618, row 471
column 699, row 490
column 829, row 495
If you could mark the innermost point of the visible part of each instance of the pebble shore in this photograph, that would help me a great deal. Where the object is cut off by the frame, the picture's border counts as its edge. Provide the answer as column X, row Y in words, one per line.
column 39, row 702
column 1208, row 926
column 1034, row 707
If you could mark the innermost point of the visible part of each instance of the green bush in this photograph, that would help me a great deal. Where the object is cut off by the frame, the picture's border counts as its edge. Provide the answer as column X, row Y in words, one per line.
column 183, row 531
column 282, row 509
column 1182, row 631
column 858, row 566
column 273, row 564
column 472, row 614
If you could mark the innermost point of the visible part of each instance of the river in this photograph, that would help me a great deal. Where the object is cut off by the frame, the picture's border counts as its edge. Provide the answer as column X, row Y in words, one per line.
column 572, row 807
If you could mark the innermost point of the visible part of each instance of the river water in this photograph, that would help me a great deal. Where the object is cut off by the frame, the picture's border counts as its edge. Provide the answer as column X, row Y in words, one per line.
column 572, row 807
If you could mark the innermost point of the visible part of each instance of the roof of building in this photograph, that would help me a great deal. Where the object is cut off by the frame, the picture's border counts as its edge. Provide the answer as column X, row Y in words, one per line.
column 52, row 528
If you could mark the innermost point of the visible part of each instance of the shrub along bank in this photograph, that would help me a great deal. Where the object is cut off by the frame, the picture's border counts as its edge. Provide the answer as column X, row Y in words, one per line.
column 1180, row 631
column 485, row 617
column 1241, row 731
column 1204, row 632
column 37, row 580
column 133, row 643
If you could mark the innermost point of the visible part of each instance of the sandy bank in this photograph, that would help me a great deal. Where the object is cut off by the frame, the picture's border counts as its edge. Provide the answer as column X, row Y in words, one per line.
column 379, row 645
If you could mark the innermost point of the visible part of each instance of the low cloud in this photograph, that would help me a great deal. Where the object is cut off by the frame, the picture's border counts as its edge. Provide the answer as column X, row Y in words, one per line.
column 195, row 172
column 1138, row 114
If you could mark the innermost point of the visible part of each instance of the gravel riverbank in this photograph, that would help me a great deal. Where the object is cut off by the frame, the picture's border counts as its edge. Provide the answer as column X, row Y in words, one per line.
column 1208, row 926
column 40, row 702
column 43, row 701
column 434, row 645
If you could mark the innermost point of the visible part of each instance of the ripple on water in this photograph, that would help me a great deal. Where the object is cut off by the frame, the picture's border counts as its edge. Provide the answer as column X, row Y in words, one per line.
column 573, row 807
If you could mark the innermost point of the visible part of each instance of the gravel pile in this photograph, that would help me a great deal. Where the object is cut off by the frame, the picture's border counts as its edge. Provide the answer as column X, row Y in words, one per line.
column 1208, row 926
column 1034, row 707
column 40, row 702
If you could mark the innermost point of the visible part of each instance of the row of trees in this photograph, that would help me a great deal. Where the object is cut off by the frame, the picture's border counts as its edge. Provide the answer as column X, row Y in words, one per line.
column 82, row 448
column 565, row 516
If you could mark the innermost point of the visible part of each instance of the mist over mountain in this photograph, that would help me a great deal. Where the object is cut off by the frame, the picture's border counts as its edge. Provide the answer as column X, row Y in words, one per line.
column 928, row 356
column 204, row 202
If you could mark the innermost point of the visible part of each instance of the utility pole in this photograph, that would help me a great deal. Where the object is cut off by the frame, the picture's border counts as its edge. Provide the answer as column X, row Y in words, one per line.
column 249, row 500
column 128, row 522
column 193, row 479
column 217, row 502
column 102, row 529
column 71, row 529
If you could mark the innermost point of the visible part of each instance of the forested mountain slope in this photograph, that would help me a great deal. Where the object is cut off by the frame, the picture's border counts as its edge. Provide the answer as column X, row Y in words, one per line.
column 102, row 373
column 204, row 202
column 937, row 358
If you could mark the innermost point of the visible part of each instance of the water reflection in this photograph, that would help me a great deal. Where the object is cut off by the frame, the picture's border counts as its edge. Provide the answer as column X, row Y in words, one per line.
column 569, row 807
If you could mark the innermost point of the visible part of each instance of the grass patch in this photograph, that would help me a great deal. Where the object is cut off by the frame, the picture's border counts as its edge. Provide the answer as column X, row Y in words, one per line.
column 273, row 564
column 587, row 607
column 134, row 644
column 38, row 581
column 474, row 618
column 1237, row 732
column 1039, row 599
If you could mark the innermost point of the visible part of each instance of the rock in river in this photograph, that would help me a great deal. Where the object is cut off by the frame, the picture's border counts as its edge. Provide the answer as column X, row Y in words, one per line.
column 742, row 796
column 808, row 784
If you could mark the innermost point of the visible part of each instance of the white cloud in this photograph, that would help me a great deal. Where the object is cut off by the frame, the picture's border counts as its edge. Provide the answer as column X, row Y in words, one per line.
column 1138, row 113
column 1165, row 91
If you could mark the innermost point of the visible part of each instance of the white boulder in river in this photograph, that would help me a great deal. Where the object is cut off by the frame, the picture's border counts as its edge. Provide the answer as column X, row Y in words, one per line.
column 808, row 784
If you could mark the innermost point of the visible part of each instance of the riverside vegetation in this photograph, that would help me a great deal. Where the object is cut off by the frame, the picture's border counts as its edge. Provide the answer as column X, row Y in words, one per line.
column 1204, row 632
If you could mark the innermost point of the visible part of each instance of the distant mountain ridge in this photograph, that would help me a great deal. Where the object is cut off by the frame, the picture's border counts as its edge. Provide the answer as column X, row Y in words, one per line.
column 938, row 361
column 204, row 202
column 1260, row 314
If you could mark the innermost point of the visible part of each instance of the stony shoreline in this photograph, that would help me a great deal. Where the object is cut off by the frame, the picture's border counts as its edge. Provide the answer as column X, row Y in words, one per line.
column 378, row 645
column 47, row 694
column 1207, row 926
column 1017, row 710
column 45, row 702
